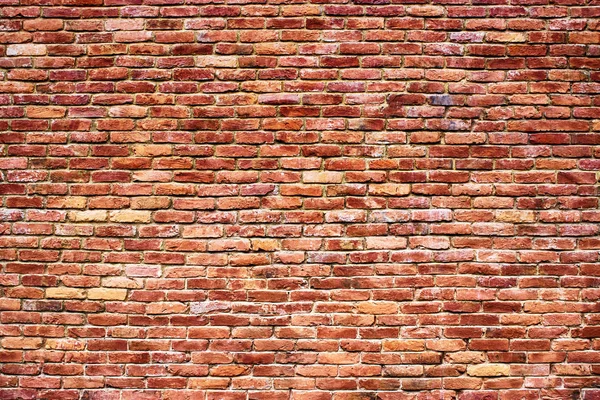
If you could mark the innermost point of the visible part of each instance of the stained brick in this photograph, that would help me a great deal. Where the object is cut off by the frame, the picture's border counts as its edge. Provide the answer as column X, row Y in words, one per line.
column 367, row 200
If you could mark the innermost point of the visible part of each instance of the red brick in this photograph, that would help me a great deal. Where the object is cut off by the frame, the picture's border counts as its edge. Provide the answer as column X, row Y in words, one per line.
column 330, row 201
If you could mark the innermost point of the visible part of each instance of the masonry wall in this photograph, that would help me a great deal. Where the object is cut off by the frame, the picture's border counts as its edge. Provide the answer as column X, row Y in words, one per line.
column 293, row 200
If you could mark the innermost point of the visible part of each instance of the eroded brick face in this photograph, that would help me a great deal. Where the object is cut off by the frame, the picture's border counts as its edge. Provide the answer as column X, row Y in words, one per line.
column 293, row 200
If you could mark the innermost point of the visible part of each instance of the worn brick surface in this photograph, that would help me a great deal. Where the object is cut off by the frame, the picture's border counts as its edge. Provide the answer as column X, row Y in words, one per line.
column 294, row 200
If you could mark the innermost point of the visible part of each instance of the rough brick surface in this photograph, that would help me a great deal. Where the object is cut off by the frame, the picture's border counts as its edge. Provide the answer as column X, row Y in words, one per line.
column 294, row 200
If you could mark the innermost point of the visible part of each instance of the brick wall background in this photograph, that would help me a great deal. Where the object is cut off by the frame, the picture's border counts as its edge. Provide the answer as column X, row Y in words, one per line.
column 287, row 200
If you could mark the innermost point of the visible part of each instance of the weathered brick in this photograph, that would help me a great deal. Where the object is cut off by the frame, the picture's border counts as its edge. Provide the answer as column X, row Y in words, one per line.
column 65, row 293
column 26, row 50
column 488, row 370
column 326, row 200
column 106, row 294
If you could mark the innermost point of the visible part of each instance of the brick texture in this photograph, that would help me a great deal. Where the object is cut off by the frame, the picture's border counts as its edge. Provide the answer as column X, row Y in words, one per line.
column 294, row 200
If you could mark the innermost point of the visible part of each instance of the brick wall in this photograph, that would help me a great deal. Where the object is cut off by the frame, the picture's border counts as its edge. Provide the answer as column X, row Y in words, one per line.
column 286, row 200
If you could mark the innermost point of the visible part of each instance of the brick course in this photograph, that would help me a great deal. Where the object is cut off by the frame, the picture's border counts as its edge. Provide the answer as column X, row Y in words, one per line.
column 292, row 200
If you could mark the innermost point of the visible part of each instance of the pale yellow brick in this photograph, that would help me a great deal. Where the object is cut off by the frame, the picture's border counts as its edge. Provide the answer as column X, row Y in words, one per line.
column 65, row 344
column 107, row 294
column 88, row 216
column 130, row 216
column 386, row 242
column 152, row 150
column 216, row 62
column 515, row 216
column 502, row 37
column 322, row 177
column 122, row 282
column 389, row 189
column 488, row 370
column 152, row 176
column 67, row 202
column 65, row 293
column 264, row 245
